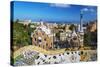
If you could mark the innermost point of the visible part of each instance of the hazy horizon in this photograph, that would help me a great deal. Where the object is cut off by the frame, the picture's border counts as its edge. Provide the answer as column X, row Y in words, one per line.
column 52, row 12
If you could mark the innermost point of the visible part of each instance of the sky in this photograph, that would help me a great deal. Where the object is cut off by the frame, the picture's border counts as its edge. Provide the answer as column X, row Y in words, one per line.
column 36, row 11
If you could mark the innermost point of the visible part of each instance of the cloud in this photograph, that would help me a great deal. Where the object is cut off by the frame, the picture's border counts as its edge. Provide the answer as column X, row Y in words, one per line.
column 60, row 5
column 87, row 9
column 92, row 10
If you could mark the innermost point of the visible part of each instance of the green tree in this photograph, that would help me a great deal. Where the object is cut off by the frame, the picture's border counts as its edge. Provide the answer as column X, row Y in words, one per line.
column 21, row 35
column 87, row 39
column 72, row 27
column 17, row 21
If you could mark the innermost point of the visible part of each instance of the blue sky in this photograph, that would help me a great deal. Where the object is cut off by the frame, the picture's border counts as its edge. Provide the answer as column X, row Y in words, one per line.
column 52, row 11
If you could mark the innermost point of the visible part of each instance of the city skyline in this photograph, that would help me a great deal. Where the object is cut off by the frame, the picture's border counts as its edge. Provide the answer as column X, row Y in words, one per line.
column 52, row 12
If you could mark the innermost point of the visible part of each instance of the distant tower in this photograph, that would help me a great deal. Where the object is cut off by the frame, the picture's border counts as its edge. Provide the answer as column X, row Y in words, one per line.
column 81, row 29
column 81, row 21
column 41, row 22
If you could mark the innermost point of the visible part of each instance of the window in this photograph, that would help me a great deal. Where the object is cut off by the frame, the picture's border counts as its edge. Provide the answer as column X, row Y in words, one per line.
column 36, row 33
column 46, row 44
column 51, row 43
column 44, row 39
column 75, row 38
column 39, row 40
column 35, row 39
column 42, row 33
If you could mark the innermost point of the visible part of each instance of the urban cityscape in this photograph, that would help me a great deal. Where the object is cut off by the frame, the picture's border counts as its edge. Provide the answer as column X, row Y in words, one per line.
column 51, row 33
